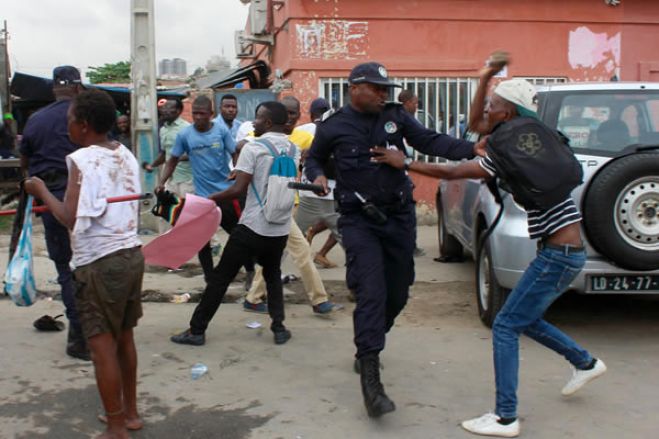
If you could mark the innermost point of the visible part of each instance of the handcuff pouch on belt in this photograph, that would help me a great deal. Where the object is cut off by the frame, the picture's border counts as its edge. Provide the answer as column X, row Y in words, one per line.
column 371, row 211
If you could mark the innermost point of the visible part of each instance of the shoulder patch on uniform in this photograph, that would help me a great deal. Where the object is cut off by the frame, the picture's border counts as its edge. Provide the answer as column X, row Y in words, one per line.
column 329, row 113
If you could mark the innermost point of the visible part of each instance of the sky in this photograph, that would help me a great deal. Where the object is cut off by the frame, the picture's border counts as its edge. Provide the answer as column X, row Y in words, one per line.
column 45, row 33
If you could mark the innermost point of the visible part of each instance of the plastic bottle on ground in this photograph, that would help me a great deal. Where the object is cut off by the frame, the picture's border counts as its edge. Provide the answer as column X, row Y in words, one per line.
column 198, row 370
column 180, row 298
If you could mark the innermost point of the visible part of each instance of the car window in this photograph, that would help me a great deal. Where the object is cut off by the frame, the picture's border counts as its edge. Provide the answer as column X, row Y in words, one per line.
column 653, row 111
column 609, row 121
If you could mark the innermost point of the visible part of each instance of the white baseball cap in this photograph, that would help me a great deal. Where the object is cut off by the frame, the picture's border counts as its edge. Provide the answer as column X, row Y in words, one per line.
column 519, row 92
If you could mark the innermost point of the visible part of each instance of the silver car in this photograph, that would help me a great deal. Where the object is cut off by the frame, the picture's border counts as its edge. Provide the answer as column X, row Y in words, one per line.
column 614, row 131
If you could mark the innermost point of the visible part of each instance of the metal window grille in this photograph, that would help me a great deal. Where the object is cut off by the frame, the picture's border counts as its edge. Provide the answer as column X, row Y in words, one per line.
column 540, row 80
column 443, row 102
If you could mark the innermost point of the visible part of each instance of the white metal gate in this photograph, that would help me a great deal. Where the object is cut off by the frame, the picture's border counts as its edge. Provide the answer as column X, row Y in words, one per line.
column 444, row 102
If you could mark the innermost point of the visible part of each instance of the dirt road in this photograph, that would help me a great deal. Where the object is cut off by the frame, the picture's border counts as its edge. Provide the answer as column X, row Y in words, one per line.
column 437, row 368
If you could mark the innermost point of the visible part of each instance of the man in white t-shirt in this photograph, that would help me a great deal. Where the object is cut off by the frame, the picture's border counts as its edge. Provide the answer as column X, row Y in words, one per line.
column 254, row 238
column 317, row 213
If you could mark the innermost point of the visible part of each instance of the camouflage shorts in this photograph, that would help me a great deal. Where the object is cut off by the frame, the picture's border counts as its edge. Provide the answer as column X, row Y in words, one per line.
column 108, row 293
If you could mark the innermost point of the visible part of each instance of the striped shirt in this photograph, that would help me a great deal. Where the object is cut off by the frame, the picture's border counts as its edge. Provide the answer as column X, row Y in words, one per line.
column 543, row 223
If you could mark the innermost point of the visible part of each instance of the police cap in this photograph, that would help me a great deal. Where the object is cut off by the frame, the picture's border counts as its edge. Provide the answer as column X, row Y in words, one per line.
column 371, row 73
column 66, row 75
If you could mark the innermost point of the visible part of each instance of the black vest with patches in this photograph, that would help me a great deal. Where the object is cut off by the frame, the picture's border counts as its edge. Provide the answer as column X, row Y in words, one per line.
column 534, row 163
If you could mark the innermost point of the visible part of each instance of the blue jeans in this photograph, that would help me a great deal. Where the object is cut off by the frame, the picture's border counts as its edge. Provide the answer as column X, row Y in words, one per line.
column 548, row 276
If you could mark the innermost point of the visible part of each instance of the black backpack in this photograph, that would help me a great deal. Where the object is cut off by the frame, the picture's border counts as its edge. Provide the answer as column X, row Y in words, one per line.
column 533, row 162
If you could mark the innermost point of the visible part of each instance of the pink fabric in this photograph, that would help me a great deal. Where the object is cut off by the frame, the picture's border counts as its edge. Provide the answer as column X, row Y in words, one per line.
column 195, row 226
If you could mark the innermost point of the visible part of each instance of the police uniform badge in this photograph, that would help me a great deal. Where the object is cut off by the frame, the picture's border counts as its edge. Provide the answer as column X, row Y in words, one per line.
column 382, row 71
column 390, row 127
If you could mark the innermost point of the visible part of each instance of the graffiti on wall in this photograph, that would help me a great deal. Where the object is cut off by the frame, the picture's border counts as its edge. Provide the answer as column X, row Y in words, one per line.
column 594, row 56
column 328, row 39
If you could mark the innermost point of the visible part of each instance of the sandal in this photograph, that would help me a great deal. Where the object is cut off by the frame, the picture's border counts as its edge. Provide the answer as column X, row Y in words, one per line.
column 48, row 323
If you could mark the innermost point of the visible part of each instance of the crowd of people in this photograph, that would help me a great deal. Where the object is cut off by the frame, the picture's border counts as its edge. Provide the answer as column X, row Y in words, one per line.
column 357, row 158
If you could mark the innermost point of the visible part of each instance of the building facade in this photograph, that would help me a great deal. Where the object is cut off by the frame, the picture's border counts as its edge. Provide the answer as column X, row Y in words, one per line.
column 172, row 68
column 436, row 47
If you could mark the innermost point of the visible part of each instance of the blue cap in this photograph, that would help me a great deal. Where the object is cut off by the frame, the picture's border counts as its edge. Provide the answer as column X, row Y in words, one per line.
column 319, row 105
column 66, row 75
column 371, row 73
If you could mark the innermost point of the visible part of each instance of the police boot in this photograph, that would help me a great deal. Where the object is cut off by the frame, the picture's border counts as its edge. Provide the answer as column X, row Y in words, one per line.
column 376, row 401
column 76, row 345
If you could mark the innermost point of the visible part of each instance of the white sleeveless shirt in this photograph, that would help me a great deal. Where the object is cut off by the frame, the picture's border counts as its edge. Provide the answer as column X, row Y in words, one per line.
column 102, row 228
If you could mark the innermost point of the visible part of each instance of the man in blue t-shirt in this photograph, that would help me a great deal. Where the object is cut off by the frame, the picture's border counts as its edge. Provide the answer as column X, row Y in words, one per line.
column 228, row 113
column 209, row 147
column 44, row 147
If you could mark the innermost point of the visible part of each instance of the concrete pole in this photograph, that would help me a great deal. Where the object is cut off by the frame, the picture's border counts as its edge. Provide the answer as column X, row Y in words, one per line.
column 4, row 71
column 144, row 115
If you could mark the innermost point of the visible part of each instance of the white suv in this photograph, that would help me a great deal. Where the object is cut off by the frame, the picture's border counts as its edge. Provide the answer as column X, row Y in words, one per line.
column 614, row 131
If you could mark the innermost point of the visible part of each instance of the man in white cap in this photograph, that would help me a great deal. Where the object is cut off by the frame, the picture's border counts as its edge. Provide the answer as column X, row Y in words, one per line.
column 561, row 254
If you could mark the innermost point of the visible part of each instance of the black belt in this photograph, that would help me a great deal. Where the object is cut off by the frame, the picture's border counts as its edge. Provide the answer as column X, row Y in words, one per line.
column 392, row 208
column 566, row 249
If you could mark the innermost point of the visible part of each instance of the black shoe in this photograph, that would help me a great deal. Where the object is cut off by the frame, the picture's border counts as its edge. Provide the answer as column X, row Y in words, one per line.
column 187, row 337
column 48, row 323
column 376, row 401
column 282, row 336
column 419, row 252
column 76, row 345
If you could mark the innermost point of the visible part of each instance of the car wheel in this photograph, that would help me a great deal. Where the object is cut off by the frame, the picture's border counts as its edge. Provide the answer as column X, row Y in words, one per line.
column 621, row 211
column 489, row 294
column 449, row 246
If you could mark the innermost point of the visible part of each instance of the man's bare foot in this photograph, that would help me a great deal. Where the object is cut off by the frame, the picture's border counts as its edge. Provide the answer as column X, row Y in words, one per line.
column 323, row 261
column 133, row 423
column 114, row 435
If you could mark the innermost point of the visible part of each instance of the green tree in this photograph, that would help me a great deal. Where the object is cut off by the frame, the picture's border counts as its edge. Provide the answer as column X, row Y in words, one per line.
column 116, row 72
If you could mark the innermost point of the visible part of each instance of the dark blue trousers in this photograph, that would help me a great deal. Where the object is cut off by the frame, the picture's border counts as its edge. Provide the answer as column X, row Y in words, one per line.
column 380, row 270
column 59, row 251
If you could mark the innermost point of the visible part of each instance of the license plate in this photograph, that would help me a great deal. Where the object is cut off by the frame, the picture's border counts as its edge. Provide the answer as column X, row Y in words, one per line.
column 624, row 283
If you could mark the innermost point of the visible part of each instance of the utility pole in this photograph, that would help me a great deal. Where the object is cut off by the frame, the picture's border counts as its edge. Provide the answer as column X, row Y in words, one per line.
column 144, row 115
column 5, row 100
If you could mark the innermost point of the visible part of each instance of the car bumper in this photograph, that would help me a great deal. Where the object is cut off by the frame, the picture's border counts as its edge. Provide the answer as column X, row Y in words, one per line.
column 594, row 267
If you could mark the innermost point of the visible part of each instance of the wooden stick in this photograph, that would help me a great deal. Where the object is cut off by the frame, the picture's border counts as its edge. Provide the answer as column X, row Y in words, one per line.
column 119, row 199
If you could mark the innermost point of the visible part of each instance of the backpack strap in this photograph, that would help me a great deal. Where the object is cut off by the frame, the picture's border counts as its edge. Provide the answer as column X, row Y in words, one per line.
column 256, row 194
column 267, row 144
column 292, row 149
column 273, row 152
column 270, row 147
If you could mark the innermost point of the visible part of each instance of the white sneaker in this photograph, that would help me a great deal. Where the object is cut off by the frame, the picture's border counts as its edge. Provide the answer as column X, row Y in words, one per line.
column 487, row 425
column 581, row 377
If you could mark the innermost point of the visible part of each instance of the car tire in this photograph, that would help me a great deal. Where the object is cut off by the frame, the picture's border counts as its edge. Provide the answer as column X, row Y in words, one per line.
column 449, row 246
column 490, row 296
column 621, row 211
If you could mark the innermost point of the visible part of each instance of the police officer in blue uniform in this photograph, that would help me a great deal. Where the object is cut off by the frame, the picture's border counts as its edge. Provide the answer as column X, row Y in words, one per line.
column 43, row 149
column 378, row 221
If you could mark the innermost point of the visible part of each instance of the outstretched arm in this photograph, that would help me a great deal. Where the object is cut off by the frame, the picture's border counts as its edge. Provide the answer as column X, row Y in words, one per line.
column 396, row 159
column 167, row 173
column 478, row 123
column 434, row 143
column 236, row 190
